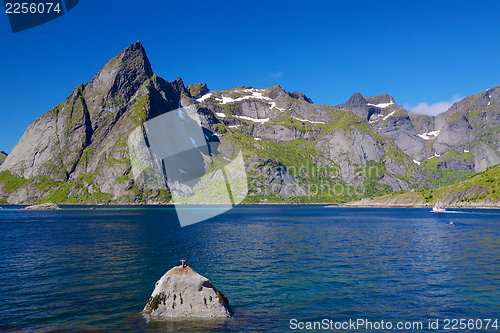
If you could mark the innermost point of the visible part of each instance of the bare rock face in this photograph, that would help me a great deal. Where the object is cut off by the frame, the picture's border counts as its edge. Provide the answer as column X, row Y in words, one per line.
column 484, row 157
column 358, row 105
column 273, row 176
column 183, row 293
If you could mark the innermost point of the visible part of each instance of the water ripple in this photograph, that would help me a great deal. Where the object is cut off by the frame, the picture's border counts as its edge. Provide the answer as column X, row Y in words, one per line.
column 92, row 270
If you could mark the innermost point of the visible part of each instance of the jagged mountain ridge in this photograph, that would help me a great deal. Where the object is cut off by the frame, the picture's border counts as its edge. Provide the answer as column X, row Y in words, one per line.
column 77, row 151
column 451, row 145
column 464, row 139
column 388, row 119
column 338, row 141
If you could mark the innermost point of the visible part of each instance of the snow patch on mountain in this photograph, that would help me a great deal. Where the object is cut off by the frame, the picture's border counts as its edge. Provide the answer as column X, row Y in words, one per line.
column 430, row 135
column 390, row 114
column 261, row 121
column 204, row 97
column 253, row 94
column 381, row 105
column 309, row 121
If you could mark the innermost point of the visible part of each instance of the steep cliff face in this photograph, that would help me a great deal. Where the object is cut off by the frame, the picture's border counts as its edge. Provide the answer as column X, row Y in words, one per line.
column 79, row 147
column 388, row 119
column 463, row 139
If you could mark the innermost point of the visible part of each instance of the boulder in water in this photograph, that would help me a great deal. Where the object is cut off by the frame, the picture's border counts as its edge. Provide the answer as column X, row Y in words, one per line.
column 182, row 292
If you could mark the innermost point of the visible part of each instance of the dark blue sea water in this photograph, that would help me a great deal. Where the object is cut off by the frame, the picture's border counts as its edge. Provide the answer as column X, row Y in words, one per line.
column 80, row 270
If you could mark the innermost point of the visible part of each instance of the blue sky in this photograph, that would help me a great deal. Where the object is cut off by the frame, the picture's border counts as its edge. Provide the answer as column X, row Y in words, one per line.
column 423, row 53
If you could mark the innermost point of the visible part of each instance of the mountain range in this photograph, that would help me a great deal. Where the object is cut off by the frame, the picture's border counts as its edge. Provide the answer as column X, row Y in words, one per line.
column 295, row 150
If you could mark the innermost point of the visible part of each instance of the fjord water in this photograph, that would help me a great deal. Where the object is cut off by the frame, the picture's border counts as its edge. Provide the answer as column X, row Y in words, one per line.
column 79, row 270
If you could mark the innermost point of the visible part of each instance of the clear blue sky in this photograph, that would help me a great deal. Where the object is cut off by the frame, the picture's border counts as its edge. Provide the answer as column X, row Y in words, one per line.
column 417, row 51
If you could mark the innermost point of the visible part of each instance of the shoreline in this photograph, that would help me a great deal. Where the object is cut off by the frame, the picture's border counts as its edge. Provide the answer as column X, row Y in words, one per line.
column 326, row 204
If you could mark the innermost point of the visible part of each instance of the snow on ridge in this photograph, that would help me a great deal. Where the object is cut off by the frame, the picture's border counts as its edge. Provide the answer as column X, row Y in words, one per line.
column 204, row 97
column 430, row 135
column 234, row 126
column 257, row 139
column 253, row 119
column 416, row 162
column 254, row 94
column 381, row 105
column 390, row 114
column 220, row 114
column 466, row 151
column 309, row 121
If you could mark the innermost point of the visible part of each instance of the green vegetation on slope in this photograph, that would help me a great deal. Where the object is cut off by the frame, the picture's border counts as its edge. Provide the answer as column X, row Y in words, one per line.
column 298, row 158
column 484, row 185
column 438, row 176
column 78, row 191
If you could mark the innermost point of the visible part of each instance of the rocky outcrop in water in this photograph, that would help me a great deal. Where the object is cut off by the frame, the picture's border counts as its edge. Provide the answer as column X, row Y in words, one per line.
column 45, row 206
column 182, row 292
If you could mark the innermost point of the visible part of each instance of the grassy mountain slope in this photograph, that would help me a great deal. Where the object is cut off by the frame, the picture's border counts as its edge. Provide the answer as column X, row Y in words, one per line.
column 481, row 189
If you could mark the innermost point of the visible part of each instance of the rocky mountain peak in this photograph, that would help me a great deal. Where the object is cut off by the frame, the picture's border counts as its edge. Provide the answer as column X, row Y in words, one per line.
column 300, row 96
column 178, row 84
column 198, row 89
column 132, row 62
column 380, row 99
column 116, row 82
column 136, row 54
column 277, row 91
column 358, row 105
column 356, row 100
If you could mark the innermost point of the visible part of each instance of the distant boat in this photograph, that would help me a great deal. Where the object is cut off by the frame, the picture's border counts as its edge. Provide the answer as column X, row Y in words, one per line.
column 438, row 208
